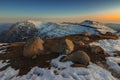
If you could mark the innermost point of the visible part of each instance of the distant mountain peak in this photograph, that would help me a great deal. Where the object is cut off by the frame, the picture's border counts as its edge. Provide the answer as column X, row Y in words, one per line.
column 92, row 22
column 35, row 22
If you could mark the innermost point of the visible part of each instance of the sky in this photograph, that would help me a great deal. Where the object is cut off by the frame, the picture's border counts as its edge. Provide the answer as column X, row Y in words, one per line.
column 59, row 10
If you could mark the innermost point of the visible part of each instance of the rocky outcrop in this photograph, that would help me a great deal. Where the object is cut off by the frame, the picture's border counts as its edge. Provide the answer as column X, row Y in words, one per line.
column 97, row 50
column 78, row 57
column 69, row 46
column 64, row 46
column 33, row 47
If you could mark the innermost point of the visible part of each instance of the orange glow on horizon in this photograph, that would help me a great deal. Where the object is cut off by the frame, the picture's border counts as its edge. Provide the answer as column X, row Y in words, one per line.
column 115, row 16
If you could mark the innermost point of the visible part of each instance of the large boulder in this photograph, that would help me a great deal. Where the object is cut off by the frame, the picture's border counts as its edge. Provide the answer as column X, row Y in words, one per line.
column 33, row 47
column 64, row 46
column 69, row 46
column 97, row 50
column 78, row 57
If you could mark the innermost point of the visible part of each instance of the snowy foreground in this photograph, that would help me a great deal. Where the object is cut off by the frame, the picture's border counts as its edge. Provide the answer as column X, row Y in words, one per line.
column 63, row 71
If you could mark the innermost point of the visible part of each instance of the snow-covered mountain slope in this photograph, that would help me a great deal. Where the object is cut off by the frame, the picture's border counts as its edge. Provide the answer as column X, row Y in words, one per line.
column 50, row 30
column 99, row 26
column 26, row 29
column 19, row 31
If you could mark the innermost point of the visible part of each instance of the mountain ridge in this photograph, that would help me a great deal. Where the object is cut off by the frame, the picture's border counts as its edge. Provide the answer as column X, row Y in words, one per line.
column 24, row 30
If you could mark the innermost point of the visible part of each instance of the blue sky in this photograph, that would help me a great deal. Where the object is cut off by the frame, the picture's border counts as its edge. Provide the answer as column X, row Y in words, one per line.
column 12, row 9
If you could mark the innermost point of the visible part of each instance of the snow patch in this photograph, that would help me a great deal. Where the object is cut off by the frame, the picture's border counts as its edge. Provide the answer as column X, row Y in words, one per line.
column 58, row 64
column 2, row 64
column 113, row 63
column 8, row 74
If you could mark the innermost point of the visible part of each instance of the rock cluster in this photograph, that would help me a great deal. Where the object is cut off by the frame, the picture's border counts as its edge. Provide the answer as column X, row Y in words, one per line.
column 37, row 46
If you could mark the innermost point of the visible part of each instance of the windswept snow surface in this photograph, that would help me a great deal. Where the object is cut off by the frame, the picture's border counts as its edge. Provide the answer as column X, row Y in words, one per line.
column 2, row 51
column 62, row 72
column 54, row 30
column 110, row 46
column 99, row 26
column 59, row 71
column 50, row 29
column 113, row 63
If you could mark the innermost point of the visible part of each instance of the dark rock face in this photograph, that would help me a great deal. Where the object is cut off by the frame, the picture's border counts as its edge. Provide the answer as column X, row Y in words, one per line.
column 19, row 32
column 79, row 57
column 33, row 47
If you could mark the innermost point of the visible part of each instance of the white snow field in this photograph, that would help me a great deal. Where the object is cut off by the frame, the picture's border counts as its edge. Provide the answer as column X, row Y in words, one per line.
column 49, row 29
column 62, row 72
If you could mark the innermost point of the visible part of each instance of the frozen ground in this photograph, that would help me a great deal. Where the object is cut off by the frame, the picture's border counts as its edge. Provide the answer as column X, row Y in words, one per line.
column 61, row 71
column 111, row 46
